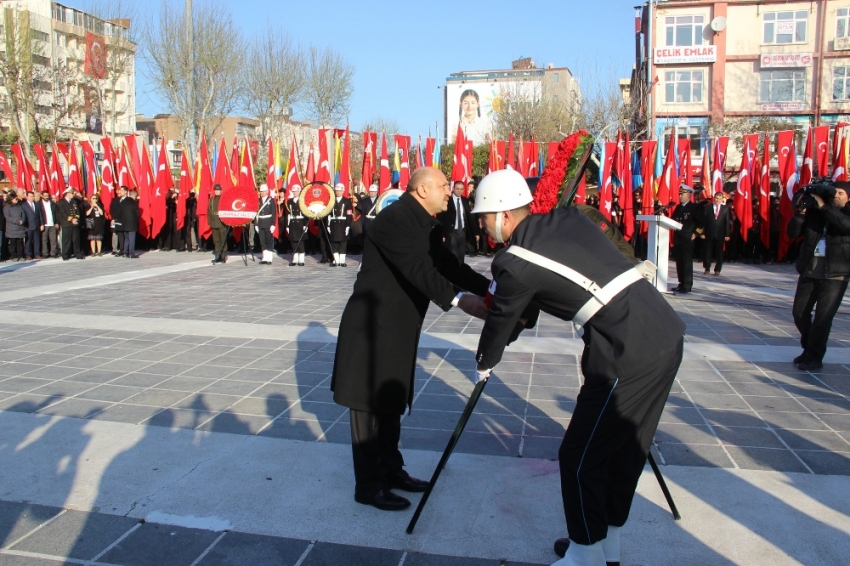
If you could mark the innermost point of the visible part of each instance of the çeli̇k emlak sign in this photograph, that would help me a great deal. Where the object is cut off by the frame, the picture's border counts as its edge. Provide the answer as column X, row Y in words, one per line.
column 676, row 55
column 238, row 206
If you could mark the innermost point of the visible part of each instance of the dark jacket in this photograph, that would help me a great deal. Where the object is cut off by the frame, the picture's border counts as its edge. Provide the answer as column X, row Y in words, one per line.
column 34, row 213
column 403, row 270
column 212, row 214
column 691, row 216
column 811, row 226
column 630, row 333
column 2, row 216
column 449, row 217
column 609, row 229
column 266, row 214
column 115, row 213
column 717, row 228
column 339, row 220
column 16, row 221
column 129, row 213
column 67, row 212
column 53, row 210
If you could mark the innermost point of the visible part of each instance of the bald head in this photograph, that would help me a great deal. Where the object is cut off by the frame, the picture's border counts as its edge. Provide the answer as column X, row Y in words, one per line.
column 430, row 187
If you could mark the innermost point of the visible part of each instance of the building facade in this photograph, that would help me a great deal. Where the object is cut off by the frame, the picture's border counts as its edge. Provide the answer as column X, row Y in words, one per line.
column 473, row 99
column 700, row 62
column 83, row 69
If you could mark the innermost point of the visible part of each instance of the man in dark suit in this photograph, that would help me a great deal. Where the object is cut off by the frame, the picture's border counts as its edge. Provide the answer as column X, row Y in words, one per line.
column 689, row 214
column 35, row 224
column 69, row 221
column 717, row 225
column 129, row 213
column 50, row 219
column 266, row 223
column 115, row 215
column 404, row 268
column 455, row 222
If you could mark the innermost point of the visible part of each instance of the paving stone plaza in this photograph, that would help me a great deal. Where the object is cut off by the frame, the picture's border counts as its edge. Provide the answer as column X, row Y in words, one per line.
column 167, row 411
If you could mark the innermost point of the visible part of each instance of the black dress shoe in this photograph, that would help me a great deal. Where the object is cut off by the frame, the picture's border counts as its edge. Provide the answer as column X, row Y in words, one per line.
column 561, row 546
column 800, row 358
column 292, row 264
column 301, row 264
column 385, row 500
column 343, row 265
column 810, row 365
column 406, row 482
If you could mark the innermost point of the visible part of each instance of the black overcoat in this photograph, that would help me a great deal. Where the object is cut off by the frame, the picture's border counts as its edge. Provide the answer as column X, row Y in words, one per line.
column 339, row 220
column 129, row 213
column 403, row 270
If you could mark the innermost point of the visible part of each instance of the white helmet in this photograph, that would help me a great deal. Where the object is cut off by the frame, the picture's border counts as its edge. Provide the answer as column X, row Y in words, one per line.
column 500, row 191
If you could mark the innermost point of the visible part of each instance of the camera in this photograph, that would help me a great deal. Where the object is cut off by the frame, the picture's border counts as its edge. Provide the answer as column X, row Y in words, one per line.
column 823, row 187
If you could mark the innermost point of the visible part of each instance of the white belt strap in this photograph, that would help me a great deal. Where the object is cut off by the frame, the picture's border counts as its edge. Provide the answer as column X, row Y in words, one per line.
column 601, row 295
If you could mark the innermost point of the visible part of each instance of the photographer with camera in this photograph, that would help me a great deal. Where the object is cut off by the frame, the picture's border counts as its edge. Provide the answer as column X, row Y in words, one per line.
column 822, row 218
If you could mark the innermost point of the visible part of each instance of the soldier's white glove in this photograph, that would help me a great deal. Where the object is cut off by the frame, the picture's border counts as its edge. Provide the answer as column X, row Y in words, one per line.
column 256, row 229
column 271, row 229
column 346, row 231
column 482, row 375
column 305, row 229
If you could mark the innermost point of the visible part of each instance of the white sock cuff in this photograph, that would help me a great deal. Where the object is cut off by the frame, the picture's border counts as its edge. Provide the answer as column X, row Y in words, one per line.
column 611, row 544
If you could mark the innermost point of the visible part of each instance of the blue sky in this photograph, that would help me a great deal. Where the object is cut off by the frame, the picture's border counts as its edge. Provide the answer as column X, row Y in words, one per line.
column 403, row 51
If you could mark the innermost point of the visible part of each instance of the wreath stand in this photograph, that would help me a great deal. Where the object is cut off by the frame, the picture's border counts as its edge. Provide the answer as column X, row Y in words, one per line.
column 244, row 253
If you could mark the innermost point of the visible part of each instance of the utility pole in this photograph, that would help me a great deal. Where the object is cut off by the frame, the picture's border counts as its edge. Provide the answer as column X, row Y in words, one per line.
column 190, row 90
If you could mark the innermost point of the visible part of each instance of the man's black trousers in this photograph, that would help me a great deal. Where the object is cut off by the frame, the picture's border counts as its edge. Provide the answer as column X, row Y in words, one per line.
column 266, row 239
column 456, row 242
column 607, row 442
column 339, row 247
column 71, row 242
column 684, row 253
column 824, row 297
column 374, row 445
column 713, row 251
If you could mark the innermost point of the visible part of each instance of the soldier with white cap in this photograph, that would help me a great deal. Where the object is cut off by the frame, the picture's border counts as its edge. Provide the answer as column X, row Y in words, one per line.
column 296, row 224
column 266, row 223
column 563, row 264
column 339, row 224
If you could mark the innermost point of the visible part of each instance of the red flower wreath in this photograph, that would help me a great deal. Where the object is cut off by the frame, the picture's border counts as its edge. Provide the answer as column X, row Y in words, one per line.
column 549, row 187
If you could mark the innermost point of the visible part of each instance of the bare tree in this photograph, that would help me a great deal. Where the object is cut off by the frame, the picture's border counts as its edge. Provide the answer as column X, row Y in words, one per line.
column 274, row 81
column 199, row 73
column 329, row 85
column 382, row 124
column 529, row 111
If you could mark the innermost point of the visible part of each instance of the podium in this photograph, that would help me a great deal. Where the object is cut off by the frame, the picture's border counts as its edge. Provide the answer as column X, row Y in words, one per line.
column 658, row 245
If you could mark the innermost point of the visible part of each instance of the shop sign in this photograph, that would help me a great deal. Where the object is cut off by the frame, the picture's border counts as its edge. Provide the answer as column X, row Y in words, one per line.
column 676, row 55
column 772, row 60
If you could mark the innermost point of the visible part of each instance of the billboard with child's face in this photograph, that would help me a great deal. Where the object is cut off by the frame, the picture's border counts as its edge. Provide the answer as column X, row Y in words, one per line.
column 475, row 106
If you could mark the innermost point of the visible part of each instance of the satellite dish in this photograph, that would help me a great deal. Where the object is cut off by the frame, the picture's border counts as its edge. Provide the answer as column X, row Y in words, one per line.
column 718, row 24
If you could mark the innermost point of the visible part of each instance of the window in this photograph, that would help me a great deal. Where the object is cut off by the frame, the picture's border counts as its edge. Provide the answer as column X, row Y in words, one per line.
column 691, row 133
column 785, row 27
column 40, row 35
column 683, row 86
column 841, row 83
column 683, row 31
column 555, row 77
column 842, row 28
column 782, row 86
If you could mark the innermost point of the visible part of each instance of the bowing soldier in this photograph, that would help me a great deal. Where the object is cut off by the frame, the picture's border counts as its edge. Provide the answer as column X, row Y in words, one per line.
column 296, row 223
column 266, row 224
column 339, row 224
column 562, row 264
column 689, row 215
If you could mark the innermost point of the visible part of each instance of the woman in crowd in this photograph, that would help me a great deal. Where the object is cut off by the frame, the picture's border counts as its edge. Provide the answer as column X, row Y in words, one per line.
column 16, row 226
column 95, row 224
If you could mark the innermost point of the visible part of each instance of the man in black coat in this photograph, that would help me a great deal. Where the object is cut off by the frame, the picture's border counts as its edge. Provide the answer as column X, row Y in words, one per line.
column 266, row 223
column 690, row 215
column 35, row 225
column 115, row 214
column 69, row 221
column 129, row 214
column 561, row 263
column 717, row 225
column 455, row 222
column 50, row 217
column 219, row 229
column 824, row 267
column 403, row 270
column 190, row 224
column 339, row 225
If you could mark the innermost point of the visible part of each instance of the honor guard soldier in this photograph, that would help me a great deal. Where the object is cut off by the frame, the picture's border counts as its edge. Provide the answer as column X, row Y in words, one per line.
column 689, row 214
column 296, row 224
column 339, row 224
column 219, row 230
column 266, row 224
column 561, row 263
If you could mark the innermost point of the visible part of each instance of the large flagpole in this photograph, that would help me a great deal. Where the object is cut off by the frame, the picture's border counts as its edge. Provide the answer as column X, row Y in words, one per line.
column 190, row 94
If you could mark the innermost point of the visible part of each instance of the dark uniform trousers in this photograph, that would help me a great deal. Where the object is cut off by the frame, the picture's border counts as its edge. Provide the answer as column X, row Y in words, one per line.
column 607, row 441
column 713, row 252
column 374, row 445
column 824, row 297
column 266, row 239
column 71, row 242
column 684, row 253
column 220, row 241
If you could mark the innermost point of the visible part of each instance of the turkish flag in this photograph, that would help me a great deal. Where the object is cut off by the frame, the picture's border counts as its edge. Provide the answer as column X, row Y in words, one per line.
column 402, row 144
column 836, row 140
column 145, row 190
column 467, row 165
column 95, row 56
column 43, row 169
column 345, row 163
column 75, row 181
column 246, row 170
column 605, row 183
column 647, row 162
column 107, row 176
column 370, row 156
column 764, row 194
column 163, row 184
column 822, row 149
column 270, row 168
column 511, row 163
column 292, row 178
column 458, row 170
column 619, row 163
column 685, row 172
column 323, row 172
column 57, row 179
column 311, row 164
column 6, row 167
column 25, row 170
column 533, row 158
column 808, row 169
column 787, row 157
column 135, row 161
column 839, row 166
column 743, row 193
column 718, row 163
column 626, row 196
column 234, row 161
column 183, row 189
column 668, row 184
column 430, row 144
column 222, row 175
column 90, row 177
column 385, row 181
column 204, row 184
